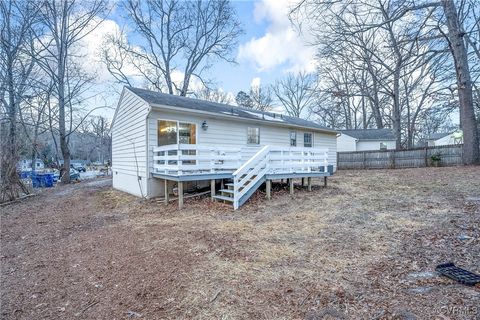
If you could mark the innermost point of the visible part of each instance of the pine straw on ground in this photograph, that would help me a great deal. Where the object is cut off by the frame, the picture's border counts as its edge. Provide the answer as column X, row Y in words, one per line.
column 363, row 248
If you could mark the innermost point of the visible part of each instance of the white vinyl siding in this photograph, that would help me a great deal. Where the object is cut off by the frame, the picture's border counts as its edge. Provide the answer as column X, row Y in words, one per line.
column 366, row 145
column 129, row 145
column 327, row 140
column 346, row 143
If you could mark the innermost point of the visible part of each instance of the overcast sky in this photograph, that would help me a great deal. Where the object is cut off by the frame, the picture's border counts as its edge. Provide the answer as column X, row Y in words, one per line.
column 267, row 50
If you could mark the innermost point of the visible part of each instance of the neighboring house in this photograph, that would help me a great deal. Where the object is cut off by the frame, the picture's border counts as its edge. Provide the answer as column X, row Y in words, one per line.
column 26, row 165
column 157, row 138
column 443, row 139
column 365, row 140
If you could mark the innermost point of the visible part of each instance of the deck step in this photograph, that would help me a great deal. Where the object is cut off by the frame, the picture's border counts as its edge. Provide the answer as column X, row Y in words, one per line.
column 226, row 191
column 224, row 198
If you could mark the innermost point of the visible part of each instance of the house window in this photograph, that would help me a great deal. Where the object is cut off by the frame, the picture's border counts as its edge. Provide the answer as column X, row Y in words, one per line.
column 383, row 146
column 308, row 140
column 173, row 132
column 253, row 135
column 293, row 138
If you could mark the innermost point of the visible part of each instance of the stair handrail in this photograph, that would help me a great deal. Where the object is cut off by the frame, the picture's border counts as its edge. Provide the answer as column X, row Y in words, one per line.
column 250, row 164
column 249, row 161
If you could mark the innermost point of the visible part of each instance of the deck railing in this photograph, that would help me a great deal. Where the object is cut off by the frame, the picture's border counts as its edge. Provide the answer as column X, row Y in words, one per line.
column 297, row 159
column 180, row 159
column 183, row 159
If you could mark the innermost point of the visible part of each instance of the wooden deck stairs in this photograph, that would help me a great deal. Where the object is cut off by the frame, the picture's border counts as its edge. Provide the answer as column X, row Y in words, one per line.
column 228, row 195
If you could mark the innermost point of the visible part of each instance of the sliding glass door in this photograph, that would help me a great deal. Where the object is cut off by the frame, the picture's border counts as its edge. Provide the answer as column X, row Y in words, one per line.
column 173, row 132
column 167, row 132
column 187, row 133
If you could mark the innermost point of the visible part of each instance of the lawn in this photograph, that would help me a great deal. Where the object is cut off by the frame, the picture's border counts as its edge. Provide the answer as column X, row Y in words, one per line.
column 365, row 247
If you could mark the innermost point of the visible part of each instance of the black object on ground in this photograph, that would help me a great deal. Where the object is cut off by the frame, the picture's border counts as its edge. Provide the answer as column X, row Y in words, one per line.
column 451, row 271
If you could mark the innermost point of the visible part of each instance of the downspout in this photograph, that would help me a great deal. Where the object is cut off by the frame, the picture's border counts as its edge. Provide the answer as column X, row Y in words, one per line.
column 147, row 147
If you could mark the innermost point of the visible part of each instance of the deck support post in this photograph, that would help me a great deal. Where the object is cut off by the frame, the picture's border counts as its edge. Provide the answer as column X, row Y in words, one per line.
column 309, row 182
column 269, row 189
column 222, row 185
column 291, row 185
column 303, row 182
column 166, row 190
column 324, row 182
column 212, row 188
column 180, row 195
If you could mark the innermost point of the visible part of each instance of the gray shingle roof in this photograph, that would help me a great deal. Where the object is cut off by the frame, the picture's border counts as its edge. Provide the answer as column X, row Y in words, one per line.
column 370, row 134
column 436, row 136
column 158, row 98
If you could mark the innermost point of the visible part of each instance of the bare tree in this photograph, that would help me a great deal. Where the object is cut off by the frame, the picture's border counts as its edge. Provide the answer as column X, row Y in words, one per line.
column 67, row 22
column 297, row 93
column 243, row 100
column 407, row 46
column 214, row 95
column 34, row 117
column 100, row 128
column 16, row 66
column 261, row 97
column 178, row 37
column 471, row 152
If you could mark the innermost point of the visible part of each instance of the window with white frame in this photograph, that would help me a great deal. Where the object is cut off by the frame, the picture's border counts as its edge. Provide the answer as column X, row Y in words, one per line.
column 253, row 135
column 308, row 140
column 293, row 138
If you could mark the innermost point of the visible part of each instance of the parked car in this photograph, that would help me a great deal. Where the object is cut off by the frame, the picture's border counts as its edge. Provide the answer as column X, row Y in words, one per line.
column 78, row 167
column 74, row 175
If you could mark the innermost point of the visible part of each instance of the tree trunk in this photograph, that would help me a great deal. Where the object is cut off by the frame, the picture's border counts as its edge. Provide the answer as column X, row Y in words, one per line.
column 471, row 153
column 62, row 65
column 397, row 129
column 10, row 182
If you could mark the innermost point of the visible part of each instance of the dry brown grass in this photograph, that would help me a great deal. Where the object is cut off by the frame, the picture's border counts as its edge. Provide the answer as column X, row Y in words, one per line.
column 350, row 250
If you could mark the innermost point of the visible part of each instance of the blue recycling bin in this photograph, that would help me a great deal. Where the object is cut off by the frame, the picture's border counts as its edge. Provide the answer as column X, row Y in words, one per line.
column 25, row 174
column 42, row 180
column 48, row 180
column 36, row 180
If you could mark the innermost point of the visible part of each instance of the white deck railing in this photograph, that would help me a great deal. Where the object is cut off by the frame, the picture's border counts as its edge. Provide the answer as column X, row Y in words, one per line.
column 297, row 159
column 181, row 159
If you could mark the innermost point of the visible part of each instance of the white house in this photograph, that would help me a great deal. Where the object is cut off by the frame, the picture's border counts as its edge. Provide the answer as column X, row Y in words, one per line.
column 26, row 165
column 365, row 140
column 443, row 139
column 160, row 141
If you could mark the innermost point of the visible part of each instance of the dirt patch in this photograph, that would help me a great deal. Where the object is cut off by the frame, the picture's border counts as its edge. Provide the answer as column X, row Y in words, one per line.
column 365, row 247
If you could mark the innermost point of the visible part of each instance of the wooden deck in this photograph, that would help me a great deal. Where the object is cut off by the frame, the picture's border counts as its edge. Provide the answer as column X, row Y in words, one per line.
column 182, row 163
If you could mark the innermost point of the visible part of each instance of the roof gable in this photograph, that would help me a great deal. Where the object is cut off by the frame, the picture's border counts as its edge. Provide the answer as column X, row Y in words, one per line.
column 158, row 99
